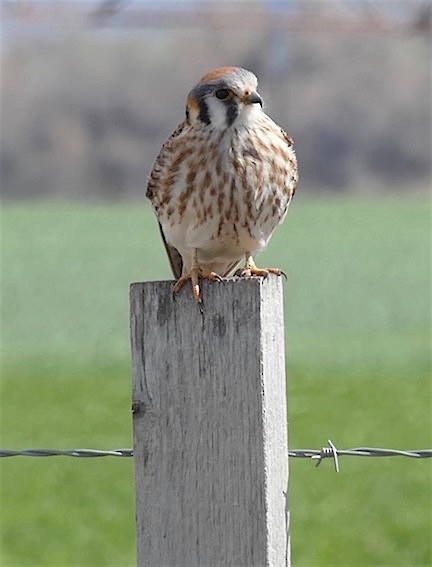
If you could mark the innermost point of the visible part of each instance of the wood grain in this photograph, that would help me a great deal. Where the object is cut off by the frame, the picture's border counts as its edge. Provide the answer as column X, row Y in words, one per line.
column 210, row 426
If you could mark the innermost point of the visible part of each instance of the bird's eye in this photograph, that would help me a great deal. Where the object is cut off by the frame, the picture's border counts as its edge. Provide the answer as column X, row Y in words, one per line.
column 223, row 94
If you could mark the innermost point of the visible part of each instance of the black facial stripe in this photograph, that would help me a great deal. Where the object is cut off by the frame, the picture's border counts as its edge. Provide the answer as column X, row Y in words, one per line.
column 232, row 111
column 199, row 93
column 203, row 111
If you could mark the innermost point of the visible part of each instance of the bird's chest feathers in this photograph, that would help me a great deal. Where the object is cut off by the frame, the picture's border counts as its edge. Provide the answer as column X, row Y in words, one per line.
column 227, row 194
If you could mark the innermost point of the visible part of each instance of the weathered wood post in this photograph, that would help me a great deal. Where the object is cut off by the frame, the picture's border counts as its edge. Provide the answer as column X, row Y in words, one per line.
column 210, row 425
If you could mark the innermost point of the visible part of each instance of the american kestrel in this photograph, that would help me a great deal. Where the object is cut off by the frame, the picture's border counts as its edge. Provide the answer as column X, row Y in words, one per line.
column 223, row 181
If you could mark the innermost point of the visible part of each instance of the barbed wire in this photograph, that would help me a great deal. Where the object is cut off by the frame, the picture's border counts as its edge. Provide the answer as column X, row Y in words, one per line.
column 333, row 453
column 67, row 453
column 330, row 452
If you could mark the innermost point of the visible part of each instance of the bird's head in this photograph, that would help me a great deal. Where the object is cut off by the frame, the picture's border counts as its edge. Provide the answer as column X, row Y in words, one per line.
column 223, row 97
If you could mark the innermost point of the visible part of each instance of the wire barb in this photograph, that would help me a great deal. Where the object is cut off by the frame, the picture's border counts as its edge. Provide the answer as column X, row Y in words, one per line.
column 333, row 453
column 329, row 451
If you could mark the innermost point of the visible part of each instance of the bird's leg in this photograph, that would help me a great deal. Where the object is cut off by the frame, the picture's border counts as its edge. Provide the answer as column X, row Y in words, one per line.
column 194, row 275
column 251, row 269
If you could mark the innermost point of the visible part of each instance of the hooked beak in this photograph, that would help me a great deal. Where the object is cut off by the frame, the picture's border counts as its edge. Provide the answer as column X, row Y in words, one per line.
column 252, row 98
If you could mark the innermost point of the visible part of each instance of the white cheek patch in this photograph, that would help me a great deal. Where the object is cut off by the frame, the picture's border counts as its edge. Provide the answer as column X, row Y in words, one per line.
column 217, row 113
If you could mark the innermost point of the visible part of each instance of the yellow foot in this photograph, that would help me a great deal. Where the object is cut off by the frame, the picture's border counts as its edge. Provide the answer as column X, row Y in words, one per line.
column 251, row 269
column 194, row 276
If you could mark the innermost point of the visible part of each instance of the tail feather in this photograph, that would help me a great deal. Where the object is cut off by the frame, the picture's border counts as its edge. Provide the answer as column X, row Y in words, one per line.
column 174, row 257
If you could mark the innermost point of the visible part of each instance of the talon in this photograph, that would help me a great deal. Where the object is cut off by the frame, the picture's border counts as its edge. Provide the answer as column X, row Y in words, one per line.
column 260, row 272
column 180, row 283
column 277, row 272
column 194, row 275
column 216, row 277
column 251, row 269
column 243, row 273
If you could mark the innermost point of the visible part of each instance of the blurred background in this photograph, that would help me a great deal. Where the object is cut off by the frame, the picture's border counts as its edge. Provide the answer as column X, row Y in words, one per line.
column 89, row 91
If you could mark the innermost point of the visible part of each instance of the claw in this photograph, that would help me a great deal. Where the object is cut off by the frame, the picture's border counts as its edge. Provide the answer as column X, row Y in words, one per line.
column 194, row 275
column 251, row 269
column 277, row 272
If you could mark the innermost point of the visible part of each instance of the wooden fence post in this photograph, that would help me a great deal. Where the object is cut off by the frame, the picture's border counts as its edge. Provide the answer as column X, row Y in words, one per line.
column 210, row 425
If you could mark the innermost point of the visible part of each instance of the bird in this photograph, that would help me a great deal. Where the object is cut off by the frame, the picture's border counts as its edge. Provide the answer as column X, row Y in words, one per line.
column 222, row 181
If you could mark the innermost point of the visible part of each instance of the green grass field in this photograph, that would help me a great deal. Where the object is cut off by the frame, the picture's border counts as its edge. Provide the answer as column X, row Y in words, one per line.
column 358, row 325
